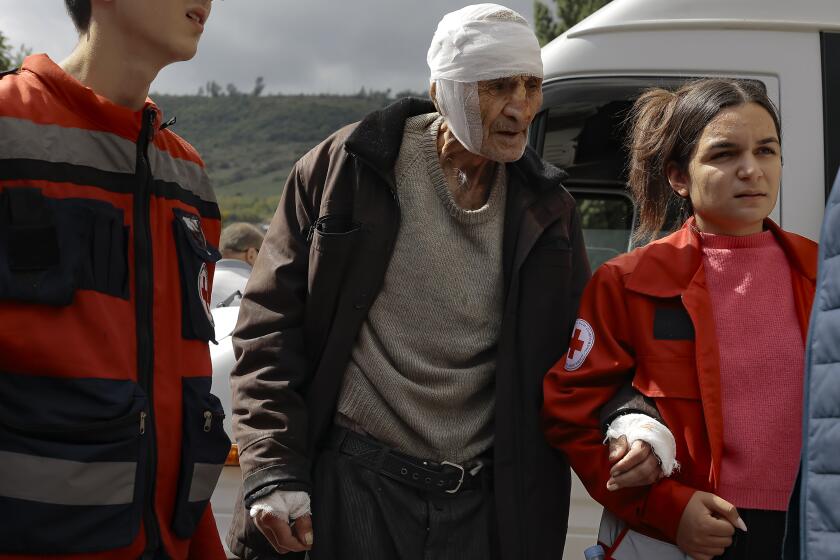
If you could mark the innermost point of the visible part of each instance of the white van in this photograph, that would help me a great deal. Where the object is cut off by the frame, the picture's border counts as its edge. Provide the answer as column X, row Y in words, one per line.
column 595, row 70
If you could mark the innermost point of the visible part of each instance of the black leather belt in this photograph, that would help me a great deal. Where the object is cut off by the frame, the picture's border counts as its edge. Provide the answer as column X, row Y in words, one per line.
column 445, row 477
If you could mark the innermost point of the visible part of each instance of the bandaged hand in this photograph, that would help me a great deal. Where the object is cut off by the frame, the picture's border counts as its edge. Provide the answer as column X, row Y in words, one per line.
column 643, row 451
column 284, row 518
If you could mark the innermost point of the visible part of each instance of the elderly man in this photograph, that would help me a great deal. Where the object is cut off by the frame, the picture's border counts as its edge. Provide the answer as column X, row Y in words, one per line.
column 421, row 274
column 239, row 245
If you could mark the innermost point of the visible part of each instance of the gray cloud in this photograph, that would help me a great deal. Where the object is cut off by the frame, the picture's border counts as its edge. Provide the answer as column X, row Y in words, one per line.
column 308, row 46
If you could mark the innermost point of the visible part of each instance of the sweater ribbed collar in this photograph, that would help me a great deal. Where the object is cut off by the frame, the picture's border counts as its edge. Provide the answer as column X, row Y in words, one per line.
column 759, row 240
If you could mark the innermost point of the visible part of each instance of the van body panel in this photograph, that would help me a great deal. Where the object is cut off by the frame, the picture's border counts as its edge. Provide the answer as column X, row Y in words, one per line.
column 649, row 15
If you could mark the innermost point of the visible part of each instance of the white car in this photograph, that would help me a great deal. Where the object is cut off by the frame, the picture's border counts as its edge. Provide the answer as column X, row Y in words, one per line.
column 230, row 481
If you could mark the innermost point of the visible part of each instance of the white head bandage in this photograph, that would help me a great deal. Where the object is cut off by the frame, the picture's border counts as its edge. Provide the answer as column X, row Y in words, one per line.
column 473, row 44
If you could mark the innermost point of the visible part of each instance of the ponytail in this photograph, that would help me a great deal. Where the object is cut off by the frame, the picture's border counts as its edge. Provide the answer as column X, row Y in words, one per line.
column 651, row 140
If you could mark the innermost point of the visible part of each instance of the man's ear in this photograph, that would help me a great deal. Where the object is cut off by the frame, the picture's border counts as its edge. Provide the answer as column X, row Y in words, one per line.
column 251, row 255
column 432, row 95
column 678, row 179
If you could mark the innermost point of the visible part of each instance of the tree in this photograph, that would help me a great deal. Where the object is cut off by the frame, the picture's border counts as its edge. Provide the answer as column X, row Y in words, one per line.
column 547, row 26
column 213, row 89
column 232, row 90
column 8, row 58
column 259, row 86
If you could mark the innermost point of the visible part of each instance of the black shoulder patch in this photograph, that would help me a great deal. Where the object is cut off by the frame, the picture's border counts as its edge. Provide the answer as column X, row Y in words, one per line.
column 672, row 323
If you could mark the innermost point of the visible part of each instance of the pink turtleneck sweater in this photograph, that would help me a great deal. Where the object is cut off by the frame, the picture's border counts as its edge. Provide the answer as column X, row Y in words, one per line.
column 761, row 363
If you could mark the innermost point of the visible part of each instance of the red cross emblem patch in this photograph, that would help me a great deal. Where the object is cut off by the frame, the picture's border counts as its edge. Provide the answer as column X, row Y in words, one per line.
column 583, row 339
column 204, row 291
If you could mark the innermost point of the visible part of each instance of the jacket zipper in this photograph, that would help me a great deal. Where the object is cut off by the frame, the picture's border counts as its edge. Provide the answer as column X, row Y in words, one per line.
column 143, row 275
column 208, row 419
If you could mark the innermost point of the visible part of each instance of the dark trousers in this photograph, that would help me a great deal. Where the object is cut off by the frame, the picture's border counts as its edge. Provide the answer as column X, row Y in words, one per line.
column 763, row 539
column 360, row 514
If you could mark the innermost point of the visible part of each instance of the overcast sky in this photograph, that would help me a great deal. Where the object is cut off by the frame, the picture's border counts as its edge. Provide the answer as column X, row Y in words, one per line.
column 298, row 46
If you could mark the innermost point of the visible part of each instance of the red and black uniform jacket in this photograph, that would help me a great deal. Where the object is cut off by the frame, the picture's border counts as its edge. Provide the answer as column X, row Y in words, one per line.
column 646, row 317
column 110, row 441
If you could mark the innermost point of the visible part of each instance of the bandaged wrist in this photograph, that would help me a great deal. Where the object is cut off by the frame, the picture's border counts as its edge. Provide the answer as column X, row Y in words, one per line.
column 641, row 427
column 283, row 504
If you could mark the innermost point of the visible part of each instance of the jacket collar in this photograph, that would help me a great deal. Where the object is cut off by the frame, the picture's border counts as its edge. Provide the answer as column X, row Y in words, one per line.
column 85, row 102
column 378, row 137
column 667, row 266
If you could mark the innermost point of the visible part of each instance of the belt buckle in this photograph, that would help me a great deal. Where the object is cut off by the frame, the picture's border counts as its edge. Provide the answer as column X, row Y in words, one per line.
column 460, row 481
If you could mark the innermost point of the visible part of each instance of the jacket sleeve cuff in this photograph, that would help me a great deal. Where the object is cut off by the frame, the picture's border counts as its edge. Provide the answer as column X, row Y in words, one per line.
column 264, row 481
column 664, row 506
column 628, row 401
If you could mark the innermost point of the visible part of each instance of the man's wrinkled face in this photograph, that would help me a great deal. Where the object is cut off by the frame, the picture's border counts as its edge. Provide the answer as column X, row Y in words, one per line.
column 508, row 105
column 169, row 29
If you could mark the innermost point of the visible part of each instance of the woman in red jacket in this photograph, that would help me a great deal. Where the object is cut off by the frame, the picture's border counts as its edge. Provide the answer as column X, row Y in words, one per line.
column 709, row 322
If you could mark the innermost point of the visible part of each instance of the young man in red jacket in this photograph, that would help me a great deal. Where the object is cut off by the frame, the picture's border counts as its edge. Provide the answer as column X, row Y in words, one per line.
column 110, row 442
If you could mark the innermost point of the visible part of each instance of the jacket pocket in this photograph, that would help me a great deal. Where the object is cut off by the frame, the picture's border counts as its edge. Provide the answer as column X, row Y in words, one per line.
column 203, row 452
column 333, row 239
column 71, row 464
column 194, row 254
column 333, row 230
column 49, row 248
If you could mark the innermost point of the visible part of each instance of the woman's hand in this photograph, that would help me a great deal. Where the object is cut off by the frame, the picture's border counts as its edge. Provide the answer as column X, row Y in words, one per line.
column 707, row 525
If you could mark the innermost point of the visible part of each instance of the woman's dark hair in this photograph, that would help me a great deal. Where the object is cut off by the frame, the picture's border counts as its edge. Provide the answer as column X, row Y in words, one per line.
column 79, row 11
column 666, row 127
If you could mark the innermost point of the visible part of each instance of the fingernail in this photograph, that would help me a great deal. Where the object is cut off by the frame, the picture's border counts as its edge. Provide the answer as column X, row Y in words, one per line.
column 615, row 474
column 741, row 525
column 307, row 538
column 612, row 486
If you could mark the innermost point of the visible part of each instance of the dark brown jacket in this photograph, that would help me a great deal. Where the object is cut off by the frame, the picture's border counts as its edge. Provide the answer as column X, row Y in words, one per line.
column 319, row 271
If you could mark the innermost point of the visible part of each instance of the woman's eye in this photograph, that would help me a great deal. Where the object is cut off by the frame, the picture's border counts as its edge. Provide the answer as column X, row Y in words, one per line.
column 721, row 155
column 767, row 150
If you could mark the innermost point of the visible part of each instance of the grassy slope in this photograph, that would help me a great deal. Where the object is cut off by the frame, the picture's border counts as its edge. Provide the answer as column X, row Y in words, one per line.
column 250, row 143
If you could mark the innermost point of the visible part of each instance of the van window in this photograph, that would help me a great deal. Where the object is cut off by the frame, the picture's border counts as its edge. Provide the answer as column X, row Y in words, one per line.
column 583, row 133
column 606, row 220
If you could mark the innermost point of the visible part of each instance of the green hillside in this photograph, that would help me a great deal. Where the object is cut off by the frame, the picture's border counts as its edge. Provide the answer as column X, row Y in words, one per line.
column 250, row 143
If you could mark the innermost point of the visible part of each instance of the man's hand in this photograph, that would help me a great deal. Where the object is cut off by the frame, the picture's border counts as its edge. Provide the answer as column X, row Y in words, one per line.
column 283, row 518
column 707, row 525
column 636, row 465
column 283, row 537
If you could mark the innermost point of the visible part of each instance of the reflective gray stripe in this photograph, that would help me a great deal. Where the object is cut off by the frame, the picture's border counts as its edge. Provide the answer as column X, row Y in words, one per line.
column 187, row 174
column 23, row 139
column 205, row 476
column 66, row 483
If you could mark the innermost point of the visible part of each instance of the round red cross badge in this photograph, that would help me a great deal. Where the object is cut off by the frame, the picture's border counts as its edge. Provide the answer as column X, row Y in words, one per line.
column 204, row 291
column 583, row 339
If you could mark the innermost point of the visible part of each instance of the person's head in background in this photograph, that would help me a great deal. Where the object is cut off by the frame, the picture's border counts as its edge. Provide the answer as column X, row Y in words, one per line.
column 241, row 241
column 711, row 149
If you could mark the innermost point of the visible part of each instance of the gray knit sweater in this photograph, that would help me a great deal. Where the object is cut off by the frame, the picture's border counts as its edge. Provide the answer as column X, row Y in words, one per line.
column 421, row 376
